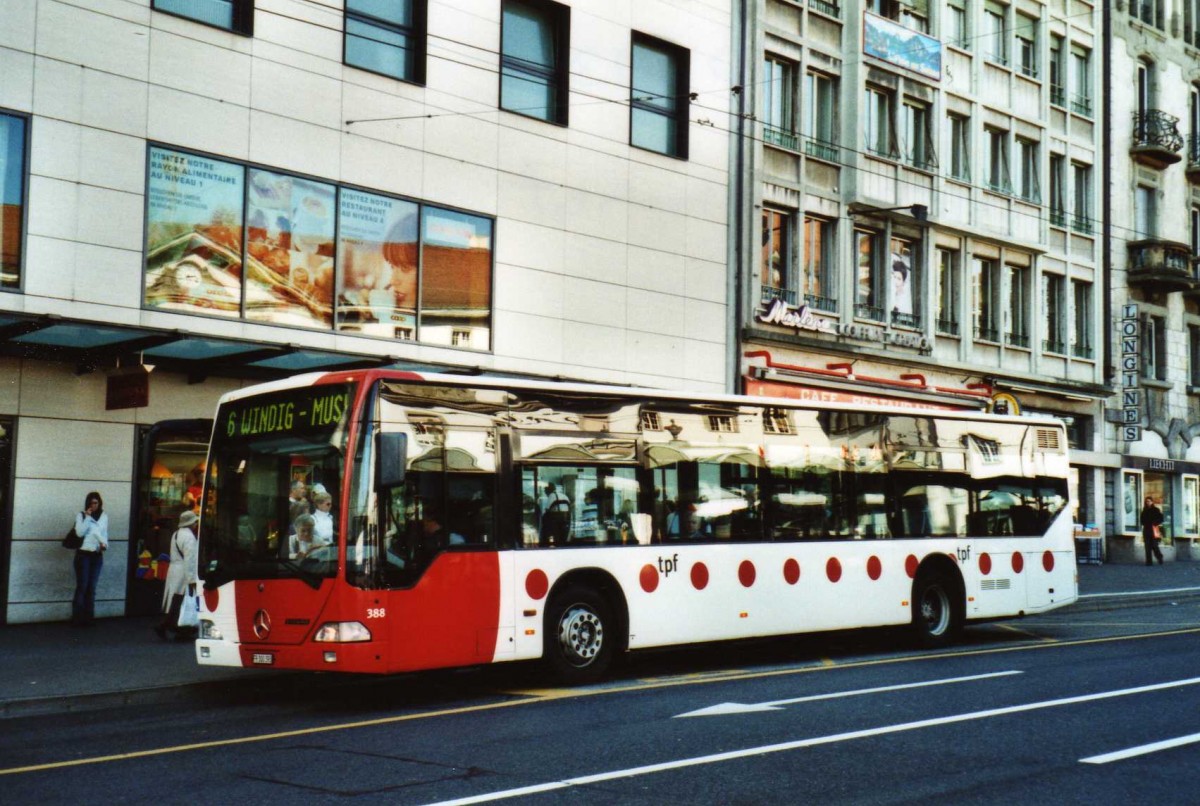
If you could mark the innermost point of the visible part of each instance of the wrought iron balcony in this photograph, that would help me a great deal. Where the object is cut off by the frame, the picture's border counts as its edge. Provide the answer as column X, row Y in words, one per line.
column 1017, row 340
column 872, row 312
column 947, row 326
column 1054, row 346
column 828, row 304
column 1193, row 158
column 909, row 320
column 1160, row 266
column 770, row 292
column 1156, row 139
column 1082, row 350
column 832, row 9
column 821, row 149
column 773, row 135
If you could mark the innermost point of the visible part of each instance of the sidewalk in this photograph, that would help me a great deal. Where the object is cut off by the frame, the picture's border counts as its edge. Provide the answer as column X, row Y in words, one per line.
column 56, row 668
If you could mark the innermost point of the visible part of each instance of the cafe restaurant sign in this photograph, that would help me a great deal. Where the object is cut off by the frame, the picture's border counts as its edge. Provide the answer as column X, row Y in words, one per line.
column 775, row 311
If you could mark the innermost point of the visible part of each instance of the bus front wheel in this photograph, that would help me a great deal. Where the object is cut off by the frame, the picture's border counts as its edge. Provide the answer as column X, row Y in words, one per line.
column 937, row 610
column 579, row 641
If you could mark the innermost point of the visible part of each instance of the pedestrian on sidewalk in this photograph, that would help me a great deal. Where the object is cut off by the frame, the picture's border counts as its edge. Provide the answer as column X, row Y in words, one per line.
column 1152, row 519
column 91, row 525
column 181, row 577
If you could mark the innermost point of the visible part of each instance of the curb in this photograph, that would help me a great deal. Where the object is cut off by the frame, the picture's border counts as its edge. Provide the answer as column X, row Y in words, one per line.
column 1094, row 602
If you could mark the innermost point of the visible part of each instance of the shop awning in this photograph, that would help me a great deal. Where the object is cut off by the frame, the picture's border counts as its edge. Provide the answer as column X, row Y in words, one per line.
column 90, row 347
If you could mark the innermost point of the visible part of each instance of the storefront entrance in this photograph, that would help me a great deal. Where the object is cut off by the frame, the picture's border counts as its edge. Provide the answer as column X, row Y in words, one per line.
column 170, row 471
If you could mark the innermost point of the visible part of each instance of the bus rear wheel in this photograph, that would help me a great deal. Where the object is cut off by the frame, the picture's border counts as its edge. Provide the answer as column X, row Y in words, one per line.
column 578, row 644
column 937, row 610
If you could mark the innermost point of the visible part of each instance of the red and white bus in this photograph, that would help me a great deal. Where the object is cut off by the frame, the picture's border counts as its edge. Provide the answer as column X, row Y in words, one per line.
column 477, row 520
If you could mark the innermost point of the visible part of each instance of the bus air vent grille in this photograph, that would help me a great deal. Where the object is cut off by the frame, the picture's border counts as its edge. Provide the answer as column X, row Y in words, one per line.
column 995, row 584
column 1048, row 440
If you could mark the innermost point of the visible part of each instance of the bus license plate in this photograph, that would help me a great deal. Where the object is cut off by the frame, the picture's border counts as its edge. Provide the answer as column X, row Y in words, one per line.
column 263, row 658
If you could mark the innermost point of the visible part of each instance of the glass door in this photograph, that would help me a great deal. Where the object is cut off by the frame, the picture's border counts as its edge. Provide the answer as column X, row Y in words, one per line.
column 170, row 472
column 6, row 455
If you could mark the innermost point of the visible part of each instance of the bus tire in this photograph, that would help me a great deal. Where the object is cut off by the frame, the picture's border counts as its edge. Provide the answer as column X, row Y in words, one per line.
column 579, row 636
column 937, row 609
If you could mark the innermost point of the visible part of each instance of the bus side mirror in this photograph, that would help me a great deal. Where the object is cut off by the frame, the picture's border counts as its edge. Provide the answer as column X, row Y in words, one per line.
column 391, row 459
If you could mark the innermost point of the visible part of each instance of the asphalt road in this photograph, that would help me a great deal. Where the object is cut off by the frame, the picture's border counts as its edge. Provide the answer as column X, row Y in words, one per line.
column 1086, row 707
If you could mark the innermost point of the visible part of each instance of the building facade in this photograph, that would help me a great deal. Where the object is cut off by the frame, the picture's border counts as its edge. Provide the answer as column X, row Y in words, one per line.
column 922, row 225
column 198, row 194
column 1154, row 228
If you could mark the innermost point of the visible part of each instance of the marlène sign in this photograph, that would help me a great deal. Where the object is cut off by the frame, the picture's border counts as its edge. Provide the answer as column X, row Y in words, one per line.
column 799, row 317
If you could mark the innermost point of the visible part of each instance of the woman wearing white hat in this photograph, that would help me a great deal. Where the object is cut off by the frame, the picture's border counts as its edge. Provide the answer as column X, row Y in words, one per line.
column 181, row 576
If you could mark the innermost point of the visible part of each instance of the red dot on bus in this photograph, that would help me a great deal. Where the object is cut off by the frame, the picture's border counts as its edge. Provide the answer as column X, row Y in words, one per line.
column 910, row 566
column 833, row 569
column 699, row 576
column 874, row 567
column 1048, row 561
column 746, row 573
column 536, row 584
column 1018, row 562
column 210, row 600
column 649, row 578
column 985, row 564
column 791, row 571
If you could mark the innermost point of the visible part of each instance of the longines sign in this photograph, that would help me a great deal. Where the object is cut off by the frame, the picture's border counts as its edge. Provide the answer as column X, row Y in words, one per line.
column 777, row 312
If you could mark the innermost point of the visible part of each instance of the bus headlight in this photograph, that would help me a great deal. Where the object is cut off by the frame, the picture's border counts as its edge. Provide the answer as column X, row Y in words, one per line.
column 210, row 630
column 342, row 632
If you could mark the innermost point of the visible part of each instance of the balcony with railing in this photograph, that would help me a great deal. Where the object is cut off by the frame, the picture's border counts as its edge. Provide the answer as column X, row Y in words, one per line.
column 819, row 303
column 1081, row 104
column 825, row 7
column 873, row 313
column 947, row 327
column 985, row 333
column 1156, row 139
column 1054, row 346
column 1082, row 350
column 1160, row 266
column 770, row 293
column 1017, row 340
column 909, row 320
column 775, row 136
column 820, row 149
column 1193, row 158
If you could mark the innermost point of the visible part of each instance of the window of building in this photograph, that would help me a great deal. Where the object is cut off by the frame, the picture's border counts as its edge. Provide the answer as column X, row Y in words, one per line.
column 884, row 8
column 12, row 198
column 1195, row 230
column 231, row 15
column 1154, row 349
column 534, row 70
column 948, row 284
column 995, row 160
column 986, row 298
column 1081, row 181
column 387, row 38
column 1018, row 306
column 995, row 31
column 869, row 298
column 1027, row 45
column 777, row 255
column 1058, row 72
column 817, row 287
column 1191, row 22
column 960, row 147
column 1028, row 186
column 906, row 283
column 914, row 15
column 779, row 92
column 1143, row 211
column 879, row 125
column 1058, row 203
column 300, row 239
column 820, row 119
column 916, row 134
column 1193, row 152
column 1053, row 312
column 659, row 101
column 1081, row 319
column 1081, row 80
column 955, row 25
column 1147, row 11
column 1193, row 356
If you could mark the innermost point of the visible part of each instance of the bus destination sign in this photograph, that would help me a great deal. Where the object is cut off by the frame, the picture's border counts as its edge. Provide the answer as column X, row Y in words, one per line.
column 295, row 412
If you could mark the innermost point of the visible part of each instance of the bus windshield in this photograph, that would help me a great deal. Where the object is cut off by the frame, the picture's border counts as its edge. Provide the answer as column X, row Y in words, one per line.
column 272, row 493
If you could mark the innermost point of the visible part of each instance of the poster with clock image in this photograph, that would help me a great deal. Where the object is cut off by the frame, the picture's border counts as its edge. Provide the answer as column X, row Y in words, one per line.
column 194, row 234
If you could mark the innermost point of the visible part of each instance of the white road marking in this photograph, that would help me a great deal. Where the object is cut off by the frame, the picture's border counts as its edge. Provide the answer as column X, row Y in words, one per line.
column 726, row 708
column 1121, row 755
column 734, row 755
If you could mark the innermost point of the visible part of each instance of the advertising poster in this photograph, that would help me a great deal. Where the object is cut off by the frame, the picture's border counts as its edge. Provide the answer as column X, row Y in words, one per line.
column 377, row 258
column 289, row 264
column 194, row 234
column 12, row 196
column 456, row 281
column 902, row 46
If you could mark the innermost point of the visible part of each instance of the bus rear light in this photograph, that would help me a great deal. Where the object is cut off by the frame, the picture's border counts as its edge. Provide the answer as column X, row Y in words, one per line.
column 531, row 632
column 210, row 631
column 530, row 613
column 342, row 632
